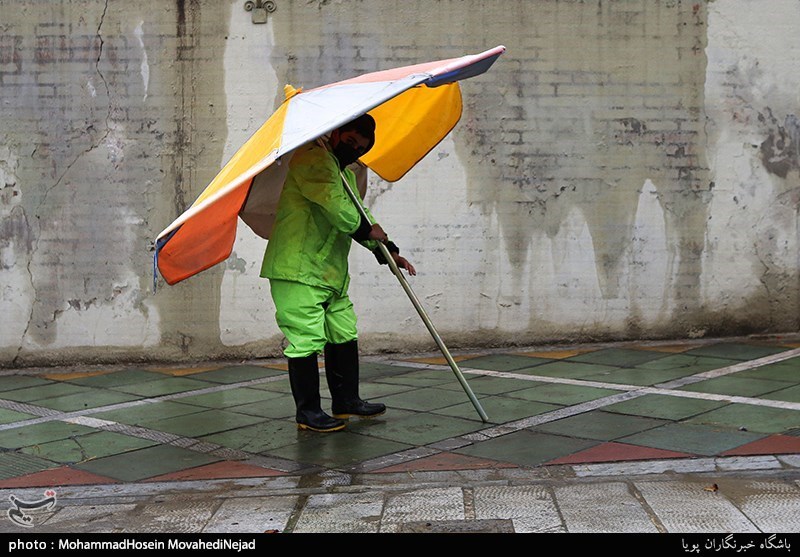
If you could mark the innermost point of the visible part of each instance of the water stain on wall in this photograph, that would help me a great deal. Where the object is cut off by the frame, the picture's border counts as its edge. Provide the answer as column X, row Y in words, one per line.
column 605, row 100
column 189, row 312
column 110, row 143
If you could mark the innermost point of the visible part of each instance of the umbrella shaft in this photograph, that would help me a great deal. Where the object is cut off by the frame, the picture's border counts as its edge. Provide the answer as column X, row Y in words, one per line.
column 420, row 310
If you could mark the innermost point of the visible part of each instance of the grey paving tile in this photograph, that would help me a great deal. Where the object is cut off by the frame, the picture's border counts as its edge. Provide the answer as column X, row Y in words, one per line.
column 608, row 507
column 685, row 507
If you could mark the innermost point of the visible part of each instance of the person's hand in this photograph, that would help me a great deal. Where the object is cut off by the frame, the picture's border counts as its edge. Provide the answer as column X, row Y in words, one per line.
column 403, row 263
column 378, row 234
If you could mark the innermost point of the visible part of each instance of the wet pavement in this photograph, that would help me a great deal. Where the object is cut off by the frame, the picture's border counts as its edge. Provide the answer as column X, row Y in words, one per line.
column 683, row 437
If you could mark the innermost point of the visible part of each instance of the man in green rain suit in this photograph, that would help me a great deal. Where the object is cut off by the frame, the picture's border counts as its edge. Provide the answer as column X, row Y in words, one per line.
column 306, row 263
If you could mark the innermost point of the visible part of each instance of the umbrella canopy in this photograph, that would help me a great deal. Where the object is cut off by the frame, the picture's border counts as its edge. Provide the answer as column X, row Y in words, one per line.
column 414, row 107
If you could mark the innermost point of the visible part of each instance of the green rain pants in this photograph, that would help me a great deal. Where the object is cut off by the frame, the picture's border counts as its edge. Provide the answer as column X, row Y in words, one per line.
column 310, row 317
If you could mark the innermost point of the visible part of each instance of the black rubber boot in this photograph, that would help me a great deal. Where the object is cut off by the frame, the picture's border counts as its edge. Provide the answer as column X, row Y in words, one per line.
column 341, row 371
column 304, row 379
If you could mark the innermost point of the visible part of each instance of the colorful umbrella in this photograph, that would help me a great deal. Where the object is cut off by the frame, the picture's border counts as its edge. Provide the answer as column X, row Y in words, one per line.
column 414, row 107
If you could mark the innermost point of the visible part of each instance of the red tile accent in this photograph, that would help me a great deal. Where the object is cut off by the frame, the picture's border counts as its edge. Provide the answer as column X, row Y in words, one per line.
column 613, row 452
column 774, row 444
column 56, row 477
column 218, row 470
column 445, row 461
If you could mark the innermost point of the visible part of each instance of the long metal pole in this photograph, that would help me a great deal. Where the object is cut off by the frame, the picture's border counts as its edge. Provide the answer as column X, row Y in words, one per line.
column 415, row 301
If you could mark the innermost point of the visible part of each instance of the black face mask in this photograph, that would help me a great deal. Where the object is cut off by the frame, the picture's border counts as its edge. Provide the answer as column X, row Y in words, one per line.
column 345, row 154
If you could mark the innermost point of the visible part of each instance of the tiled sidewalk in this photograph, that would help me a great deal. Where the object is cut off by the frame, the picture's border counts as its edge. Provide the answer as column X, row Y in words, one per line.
column 582, row 405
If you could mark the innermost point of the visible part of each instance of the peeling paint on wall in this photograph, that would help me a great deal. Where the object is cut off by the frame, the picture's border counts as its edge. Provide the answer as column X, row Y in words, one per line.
column 752, row 102
column 144, row 68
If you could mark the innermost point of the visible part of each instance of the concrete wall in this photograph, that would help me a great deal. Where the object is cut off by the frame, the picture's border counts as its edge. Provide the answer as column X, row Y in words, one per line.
column 627, row 169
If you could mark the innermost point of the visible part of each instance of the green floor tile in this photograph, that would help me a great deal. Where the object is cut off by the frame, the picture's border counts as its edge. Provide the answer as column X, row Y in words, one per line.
column 424, row 399
column 692, row 438
column 145, row 463
column 148, row 412
column 637, row 376
column 118, row 378
column 567, row 369
column 13, row 465
column 165, row 386
column 257, row 438
column 688, row 363
column 41, row 392
column 424, row 378
column 498, row 409
column 421, row 428
column 279, row 386
column 339, row 449
column 279, row 406
column 374, row 391
column 372, row 370
column 559, row 393
column 736, row 351
column 619, row 357
column 203, row 423
column 366, row 426
column 86, row 447
column 763, row 419
column 502, row 362
column 664, row 407
column 237, row 374
column 35, row 434
column 780, row 371
column 488, row 385
column 11, row 416
column 527, row 448
column 736, row 386
column 228, row 398
column 792, row 394
column 13, row 382
column 599, row 425
column 93, row 398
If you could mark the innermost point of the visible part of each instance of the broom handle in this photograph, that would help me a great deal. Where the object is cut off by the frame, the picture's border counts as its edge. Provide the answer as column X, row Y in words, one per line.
column 418, row 306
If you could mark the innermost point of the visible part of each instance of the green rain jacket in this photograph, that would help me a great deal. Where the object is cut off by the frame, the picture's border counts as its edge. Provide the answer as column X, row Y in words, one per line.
column 315, row 223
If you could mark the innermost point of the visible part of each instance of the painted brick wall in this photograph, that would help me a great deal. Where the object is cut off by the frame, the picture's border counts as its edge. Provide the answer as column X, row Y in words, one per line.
column 628, row 169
